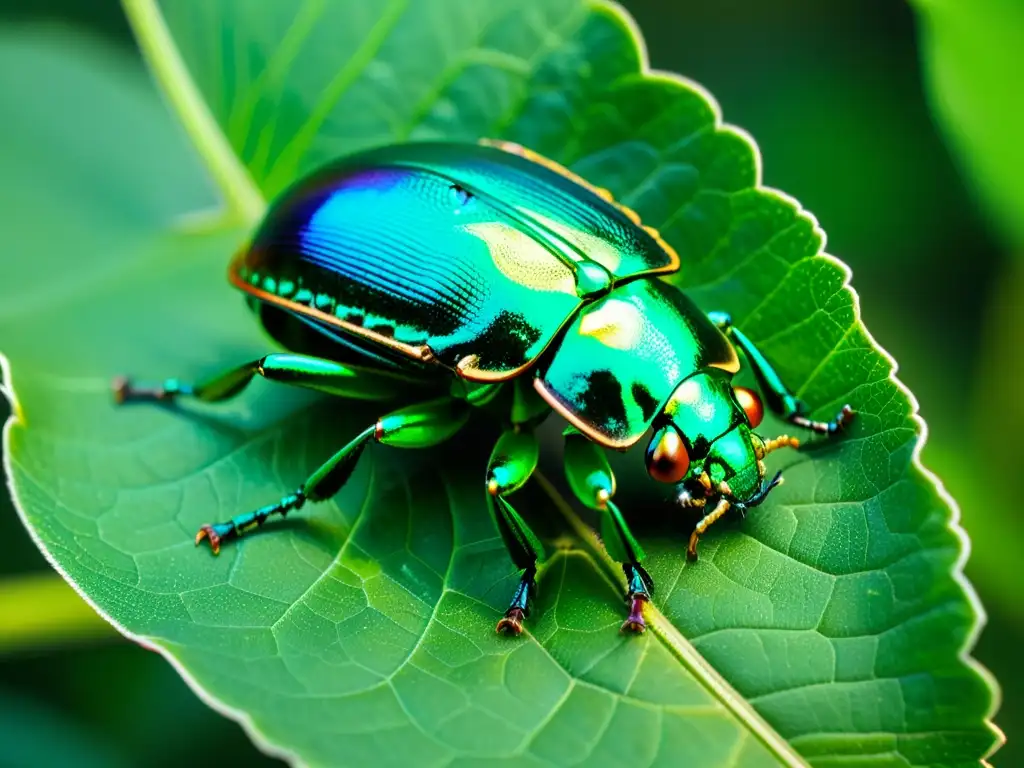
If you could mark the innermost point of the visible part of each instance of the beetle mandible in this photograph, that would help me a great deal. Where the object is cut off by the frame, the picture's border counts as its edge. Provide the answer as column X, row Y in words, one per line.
column 476, row 274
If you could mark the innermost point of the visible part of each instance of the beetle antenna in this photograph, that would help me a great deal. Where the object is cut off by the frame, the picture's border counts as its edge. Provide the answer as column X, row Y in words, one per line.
column 782, row 441
column 720, row 509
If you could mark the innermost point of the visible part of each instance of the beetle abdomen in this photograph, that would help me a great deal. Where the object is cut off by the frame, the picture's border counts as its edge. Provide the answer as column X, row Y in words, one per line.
column 414, row 261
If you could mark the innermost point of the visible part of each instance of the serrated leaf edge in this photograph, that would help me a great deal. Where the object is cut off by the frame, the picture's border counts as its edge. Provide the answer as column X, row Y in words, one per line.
column 660, row 621
column 245, row 205
column 243, row 718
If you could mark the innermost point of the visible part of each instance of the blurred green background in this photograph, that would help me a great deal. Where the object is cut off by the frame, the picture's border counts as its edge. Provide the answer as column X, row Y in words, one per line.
column 834, row 95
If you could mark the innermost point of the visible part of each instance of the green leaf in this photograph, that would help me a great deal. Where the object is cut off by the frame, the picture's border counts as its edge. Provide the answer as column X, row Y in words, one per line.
column 972, row 61
column 362, row 629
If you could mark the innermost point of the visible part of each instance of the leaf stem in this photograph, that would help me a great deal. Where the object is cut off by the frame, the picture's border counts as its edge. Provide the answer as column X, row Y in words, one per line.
column 679, row 646
column 244, row 202
column 42, row 610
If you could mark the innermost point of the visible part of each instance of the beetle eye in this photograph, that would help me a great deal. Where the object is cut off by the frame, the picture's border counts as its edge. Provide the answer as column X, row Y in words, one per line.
column 751, row 405
column 667, row 459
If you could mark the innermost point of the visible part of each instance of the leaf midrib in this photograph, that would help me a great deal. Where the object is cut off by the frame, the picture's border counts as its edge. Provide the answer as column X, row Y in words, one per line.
column 674, row 640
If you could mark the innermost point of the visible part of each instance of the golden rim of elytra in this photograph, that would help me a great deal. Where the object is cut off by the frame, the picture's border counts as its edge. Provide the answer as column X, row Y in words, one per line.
column 420, row 352
column 465, row 368
column 573, row 418
column 518, row 149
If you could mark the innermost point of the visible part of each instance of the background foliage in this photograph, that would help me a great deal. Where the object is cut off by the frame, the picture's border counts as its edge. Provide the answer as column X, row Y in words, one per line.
column 796, row 80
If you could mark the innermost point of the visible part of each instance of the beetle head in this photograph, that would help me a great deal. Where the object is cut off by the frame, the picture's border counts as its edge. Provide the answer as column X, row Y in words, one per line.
column 705, row 443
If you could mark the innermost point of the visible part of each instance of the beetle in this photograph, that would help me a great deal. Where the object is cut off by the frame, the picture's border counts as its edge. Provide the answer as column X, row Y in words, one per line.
column 486, row 276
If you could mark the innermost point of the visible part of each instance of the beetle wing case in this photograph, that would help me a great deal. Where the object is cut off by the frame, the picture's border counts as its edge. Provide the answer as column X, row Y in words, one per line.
column 411, row 260
column 464, row 254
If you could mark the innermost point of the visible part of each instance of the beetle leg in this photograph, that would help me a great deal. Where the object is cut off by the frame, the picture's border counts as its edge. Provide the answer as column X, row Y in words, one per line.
column 513, row 460
column 704, row 523
column 417, row 426
column 298, row 370
column 593, row 483
column 323, row 483
column 842, row 418
column 776, row 394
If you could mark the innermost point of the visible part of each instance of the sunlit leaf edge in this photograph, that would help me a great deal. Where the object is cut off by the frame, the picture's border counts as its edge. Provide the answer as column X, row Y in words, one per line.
column 669, row 634
column 16, row 418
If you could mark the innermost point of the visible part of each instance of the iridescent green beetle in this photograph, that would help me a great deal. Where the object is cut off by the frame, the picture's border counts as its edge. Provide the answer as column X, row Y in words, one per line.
column 483, row 275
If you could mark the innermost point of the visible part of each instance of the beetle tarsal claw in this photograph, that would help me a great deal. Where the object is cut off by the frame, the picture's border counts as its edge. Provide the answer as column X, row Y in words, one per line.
column 207, row 532
column 121, row 387
column 512, row 622
column 125, row 392
column 635, row 622
column 845, row 416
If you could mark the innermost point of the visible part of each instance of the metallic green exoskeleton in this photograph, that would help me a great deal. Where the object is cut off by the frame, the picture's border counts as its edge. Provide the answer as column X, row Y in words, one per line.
column 477, row 274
